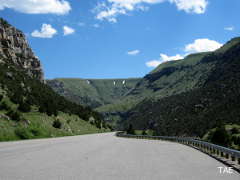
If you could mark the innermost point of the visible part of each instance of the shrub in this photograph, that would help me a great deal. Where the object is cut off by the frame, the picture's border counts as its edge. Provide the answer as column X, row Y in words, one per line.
column 236, row 140
column 1, row 97
column 14, row 115
column 130, row 129
column 24, row 107
column 23, row 133
column 57, row 124
column 36, row 131
column 16, row 98
column 221, row 137
column 144, row 133
column 234, row 130
column 4, row 106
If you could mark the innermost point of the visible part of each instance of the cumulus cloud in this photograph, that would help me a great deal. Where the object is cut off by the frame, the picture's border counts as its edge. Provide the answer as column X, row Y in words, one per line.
column 47, row 31
column 231, row 28
column 202, row 45
column 110, row 9
column 163, row 58
column 134, row 52
column 68, row 30
column 59, row 7
column 191, row 6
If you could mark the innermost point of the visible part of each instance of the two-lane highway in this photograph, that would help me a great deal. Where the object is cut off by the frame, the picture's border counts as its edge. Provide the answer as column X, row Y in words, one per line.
column 105, row 157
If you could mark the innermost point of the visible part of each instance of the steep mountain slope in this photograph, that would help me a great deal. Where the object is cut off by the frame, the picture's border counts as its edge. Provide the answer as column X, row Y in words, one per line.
column 167, row 79
column 15, row 48
column 93, row 92
column 28, row 107
column 194, row 112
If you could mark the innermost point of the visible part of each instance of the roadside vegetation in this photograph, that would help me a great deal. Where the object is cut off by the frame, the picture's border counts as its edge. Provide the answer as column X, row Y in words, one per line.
column 30, row 109
column 16, row 125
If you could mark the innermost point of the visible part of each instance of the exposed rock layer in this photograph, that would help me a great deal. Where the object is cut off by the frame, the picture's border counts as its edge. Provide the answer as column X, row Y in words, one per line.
column 14, row 48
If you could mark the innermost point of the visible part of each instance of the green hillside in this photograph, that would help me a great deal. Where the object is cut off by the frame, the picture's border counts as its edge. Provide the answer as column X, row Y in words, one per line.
column 194, row 113
column 167, row 79
column 31, row 109
column 93, row 92
column 28, row 107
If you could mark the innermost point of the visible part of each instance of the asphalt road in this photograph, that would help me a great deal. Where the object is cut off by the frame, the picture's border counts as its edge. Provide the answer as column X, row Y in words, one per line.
column 105, row 157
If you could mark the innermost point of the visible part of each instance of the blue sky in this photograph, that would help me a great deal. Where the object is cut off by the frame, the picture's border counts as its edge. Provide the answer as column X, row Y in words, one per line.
column 119, row 38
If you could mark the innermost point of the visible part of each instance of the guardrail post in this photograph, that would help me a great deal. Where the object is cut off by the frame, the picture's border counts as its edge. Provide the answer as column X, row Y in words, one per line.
column 233, row 158
column 222, row 154
column 238, row 160
column 226, row 155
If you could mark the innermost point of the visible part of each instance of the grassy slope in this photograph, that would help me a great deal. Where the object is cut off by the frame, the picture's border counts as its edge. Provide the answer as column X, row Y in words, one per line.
column 31, row 109
column 169, row 79
column 193, row 113
column 40, row 125
column 93, row 92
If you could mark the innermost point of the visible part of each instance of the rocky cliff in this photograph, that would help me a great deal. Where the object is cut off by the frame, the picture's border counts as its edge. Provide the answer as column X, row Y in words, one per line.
column 15, row 49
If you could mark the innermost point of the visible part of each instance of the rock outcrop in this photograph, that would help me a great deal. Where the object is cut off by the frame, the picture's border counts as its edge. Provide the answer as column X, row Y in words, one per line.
column 14, row 48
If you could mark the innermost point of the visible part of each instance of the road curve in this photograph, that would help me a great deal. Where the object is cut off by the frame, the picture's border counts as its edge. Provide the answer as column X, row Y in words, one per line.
column 105, row 157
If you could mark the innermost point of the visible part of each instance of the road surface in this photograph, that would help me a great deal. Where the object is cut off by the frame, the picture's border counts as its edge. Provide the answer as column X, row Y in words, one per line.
column 105, row 157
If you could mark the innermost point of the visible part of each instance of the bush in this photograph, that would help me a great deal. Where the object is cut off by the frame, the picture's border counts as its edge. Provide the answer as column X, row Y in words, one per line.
column 221, row 137
column 144, row 133
column 24, row 107
column 23, row 133
column 234, row 130
column 14, row 115
column 4, row 106
column 1, row 97
column 57, row 124
column 36, row 131
column 17, row 98
column 236, row 140
column 130, row 129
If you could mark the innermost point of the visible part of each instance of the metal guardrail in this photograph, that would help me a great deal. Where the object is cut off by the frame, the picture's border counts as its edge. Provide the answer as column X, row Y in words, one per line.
column 206, row 147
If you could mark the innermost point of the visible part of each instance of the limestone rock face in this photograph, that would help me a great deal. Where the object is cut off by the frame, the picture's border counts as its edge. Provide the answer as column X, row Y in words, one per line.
column 14, row 48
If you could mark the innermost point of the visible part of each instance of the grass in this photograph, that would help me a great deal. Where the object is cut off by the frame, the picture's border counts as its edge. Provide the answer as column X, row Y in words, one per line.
column 39, row 125
column 93, row 92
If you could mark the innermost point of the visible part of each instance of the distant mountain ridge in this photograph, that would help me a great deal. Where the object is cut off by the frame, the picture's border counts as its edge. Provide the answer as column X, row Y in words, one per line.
column 93, row 92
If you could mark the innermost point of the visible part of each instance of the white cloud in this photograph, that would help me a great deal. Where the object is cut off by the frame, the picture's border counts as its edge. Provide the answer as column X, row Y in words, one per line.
column 202, row 45
column 47, row 31
column 191, row 6
column 163, row 58
column 166, row 58
column 231, row 28
column 199, row 45
column 59, row 7
column 133, row 53
column 110, row 9
column 68, row 30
